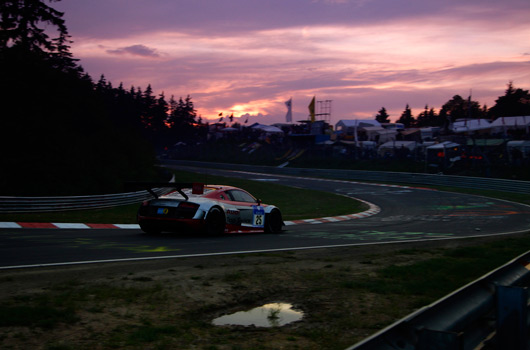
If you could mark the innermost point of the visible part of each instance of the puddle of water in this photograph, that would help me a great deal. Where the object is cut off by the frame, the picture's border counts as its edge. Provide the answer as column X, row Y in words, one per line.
column 268, row 315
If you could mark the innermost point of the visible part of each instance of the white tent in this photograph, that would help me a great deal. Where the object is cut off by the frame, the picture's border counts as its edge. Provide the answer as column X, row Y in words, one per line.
column 392, row 146
column 504, row 123
column 383, row 135
column 443, row 145
column 267, row 129
column 522, row 146
column 470, row 125
column 352, row 126
column 346, row 125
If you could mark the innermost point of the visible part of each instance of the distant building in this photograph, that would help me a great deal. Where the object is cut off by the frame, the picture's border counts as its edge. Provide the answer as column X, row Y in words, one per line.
column 350, row 129
column 470, row 125
column 502, row 124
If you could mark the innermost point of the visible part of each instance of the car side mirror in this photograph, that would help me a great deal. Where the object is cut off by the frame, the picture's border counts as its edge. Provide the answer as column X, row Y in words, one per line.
column 258, row 201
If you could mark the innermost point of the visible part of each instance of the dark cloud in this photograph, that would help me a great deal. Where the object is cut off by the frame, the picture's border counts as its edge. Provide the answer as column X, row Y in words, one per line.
column 135, row 50
column 110, row 18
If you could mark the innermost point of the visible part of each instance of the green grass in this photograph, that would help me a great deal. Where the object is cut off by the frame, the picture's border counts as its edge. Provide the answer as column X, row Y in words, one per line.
column 150, row 333
column 437, row 276
column 43, row 316
column 337, row 296
column 294, row 203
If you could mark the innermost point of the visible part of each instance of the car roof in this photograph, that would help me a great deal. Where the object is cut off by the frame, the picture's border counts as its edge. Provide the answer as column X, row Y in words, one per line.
column 208, row 191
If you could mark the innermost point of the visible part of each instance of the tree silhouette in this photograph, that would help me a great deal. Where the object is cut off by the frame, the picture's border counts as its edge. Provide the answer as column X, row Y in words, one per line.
column 459, row 108
column 515, row 102
column 20, row 29
column 382, row 116
column 406, row 117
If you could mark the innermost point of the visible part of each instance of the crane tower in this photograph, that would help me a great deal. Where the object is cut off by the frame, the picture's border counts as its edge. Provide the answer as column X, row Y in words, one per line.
column 324, row 110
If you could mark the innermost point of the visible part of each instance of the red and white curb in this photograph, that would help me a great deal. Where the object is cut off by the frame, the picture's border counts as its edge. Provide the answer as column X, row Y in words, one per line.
column 374, row 209
column 54, row 225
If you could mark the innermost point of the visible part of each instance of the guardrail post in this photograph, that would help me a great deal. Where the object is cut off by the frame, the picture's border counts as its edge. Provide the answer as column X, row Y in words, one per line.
column 511, row 318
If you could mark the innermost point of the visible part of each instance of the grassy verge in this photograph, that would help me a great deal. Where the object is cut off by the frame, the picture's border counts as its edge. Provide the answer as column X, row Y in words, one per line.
column 346, row 294
column 509, row 196
column 294, row 203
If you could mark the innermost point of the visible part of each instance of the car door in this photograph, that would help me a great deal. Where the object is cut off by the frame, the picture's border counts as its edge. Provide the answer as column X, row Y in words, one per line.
column 246, row 204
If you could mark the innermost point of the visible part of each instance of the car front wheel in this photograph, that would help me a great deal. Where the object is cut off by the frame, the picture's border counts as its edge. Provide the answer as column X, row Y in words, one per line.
column 273, row 221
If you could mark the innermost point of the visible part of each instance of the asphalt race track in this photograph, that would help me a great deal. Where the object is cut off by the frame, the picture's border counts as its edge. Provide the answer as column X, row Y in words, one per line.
column 406, row 214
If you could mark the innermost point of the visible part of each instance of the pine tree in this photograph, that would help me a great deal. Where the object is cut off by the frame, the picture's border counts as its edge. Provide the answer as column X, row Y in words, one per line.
column 382, row 116
column 515, row 102
column 423, row 117
column 406, row 117
column 21, row 23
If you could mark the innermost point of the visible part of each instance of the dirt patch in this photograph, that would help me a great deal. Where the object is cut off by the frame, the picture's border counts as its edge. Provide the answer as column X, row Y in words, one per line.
column 170, row 304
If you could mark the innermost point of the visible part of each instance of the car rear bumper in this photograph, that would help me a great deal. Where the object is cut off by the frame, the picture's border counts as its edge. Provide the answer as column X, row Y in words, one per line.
column 168, row 224
column 187, row 225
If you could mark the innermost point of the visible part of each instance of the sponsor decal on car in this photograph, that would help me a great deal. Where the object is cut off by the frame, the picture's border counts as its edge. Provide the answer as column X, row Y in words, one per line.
column 162, row 211
column 258, row 216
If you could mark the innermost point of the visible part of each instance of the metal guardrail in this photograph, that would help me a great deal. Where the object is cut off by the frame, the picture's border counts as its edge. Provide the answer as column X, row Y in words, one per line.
column 43, row 204
column 489, row 313
column 48, row 204
column 378, row 176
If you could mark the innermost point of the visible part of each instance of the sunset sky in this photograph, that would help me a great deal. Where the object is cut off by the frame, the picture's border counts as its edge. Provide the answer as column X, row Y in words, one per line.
column 248, row 57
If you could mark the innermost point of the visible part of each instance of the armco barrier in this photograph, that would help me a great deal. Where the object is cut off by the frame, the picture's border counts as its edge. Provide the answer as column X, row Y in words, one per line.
column 47, row 204
column 378, row 176
column 490, row 313
column 41, row 204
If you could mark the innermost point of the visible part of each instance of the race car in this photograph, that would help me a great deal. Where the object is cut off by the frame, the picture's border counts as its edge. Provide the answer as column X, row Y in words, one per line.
column 212, row 209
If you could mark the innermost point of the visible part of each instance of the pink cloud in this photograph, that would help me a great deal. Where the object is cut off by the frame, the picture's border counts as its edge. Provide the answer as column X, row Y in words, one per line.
column 248, row 57
column 135, row 50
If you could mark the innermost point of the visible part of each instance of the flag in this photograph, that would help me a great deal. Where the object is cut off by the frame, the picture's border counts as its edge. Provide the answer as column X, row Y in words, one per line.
column 312, row 109
column 289, row 115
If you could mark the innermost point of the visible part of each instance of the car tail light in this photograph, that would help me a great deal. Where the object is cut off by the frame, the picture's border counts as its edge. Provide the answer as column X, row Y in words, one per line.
column 188, row 205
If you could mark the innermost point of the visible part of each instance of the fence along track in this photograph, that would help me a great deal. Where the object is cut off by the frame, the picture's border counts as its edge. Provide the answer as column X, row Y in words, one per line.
column 63, row 203
column 480, row 183
column 48, row 204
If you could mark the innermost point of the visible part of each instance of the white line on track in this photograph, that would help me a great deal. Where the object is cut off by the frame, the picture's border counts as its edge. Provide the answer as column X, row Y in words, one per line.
column 73, row 263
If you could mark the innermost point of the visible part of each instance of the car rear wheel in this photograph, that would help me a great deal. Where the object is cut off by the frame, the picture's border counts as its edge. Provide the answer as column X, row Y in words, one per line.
column 273, row 221
column 215, row 222
column 150, row 230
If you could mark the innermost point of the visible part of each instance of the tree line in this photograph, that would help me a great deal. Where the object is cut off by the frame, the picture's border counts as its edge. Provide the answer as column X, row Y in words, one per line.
column 515, row 102
column 60, row 131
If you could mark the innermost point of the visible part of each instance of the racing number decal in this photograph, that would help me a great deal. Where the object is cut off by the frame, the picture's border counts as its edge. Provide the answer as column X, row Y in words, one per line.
column 258, row 216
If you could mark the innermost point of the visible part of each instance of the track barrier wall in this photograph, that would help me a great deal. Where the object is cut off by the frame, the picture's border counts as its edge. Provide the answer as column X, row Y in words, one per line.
column 47, row 204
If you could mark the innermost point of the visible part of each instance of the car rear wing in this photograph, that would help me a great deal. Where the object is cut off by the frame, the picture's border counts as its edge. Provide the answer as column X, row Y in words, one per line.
column 196, row 187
